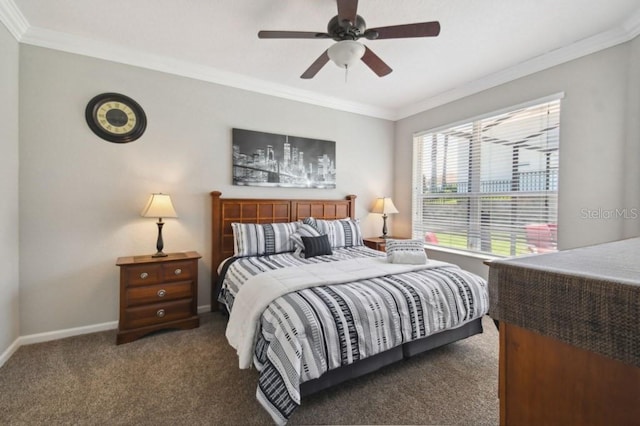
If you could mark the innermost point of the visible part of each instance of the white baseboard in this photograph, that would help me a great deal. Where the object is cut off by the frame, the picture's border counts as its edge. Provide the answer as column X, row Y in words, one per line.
column 4, row 357
column 204, row 309
column 69, row 332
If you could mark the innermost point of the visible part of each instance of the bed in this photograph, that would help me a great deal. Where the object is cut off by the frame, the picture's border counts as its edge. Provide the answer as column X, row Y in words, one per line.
column 315, row 335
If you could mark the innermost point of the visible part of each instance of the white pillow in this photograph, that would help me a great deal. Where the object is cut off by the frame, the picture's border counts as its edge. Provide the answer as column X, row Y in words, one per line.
column 406, row 251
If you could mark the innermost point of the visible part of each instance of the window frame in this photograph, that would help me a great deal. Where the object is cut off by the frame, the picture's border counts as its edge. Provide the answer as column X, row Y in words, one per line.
column 474, row 220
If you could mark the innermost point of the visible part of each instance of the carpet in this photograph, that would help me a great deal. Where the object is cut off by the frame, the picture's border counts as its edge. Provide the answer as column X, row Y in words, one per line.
column 191, row 377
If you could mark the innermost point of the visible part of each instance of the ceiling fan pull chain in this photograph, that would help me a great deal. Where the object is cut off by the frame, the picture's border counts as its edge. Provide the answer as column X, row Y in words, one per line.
column 346, row 73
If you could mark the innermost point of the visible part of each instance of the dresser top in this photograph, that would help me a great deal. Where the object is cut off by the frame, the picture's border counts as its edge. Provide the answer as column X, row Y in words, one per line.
column 132, row 260
column 616, row 262
column 587, row 297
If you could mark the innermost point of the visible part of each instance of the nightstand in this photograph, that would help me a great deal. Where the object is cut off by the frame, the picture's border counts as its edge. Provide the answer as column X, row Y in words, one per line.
column 378, row 243
column 157, row 293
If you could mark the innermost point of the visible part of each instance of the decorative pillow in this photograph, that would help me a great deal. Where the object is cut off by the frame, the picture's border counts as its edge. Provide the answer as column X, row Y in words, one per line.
column 254, row 239
column 316, row 246
column 406, row 251
column 303, row 231
column 341, row 232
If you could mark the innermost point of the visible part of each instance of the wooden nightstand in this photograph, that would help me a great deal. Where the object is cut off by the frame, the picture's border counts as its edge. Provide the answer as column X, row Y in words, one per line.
column 378, row 243
column 157, row 293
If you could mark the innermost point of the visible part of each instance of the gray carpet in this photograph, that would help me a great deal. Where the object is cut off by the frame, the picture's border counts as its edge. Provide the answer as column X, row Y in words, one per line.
column 191, row 377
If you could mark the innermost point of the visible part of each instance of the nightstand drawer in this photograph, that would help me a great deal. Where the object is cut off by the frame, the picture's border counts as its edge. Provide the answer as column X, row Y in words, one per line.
column 158, row 293
column 378, row 243
column 179, row 271
column 143, row 274
column 156, row 314
column 380, row 246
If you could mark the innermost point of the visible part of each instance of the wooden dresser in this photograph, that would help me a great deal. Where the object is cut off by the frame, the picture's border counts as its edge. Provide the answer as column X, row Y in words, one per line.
column 157, row 293
column 569, row 336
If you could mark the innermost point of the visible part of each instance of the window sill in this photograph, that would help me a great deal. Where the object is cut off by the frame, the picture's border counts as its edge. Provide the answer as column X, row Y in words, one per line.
column 480, row 256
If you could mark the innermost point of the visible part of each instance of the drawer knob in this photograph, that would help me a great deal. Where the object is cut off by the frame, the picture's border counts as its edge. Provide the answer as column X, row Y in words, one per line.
column 162, row 293
column 160, row 313
column 178, row 271
column 144, row 275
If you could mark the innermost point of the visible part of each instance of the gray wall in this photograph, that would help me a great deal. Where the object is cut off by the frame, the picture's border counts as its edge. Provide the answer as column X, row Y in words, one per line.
column 599, row 140
column 80, row 196
column 632, row 147
column 9, row 255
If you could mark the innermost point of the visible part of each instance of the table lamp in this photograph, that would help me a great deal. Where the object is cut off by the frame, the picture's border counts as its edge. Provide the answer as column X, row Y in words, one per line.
column 159, row 205
column 384, row 206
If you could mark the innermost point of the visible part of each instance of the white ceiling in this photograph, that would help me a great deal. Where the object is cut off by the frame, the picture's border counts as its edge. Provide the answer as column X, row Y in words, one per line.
column 481, row 44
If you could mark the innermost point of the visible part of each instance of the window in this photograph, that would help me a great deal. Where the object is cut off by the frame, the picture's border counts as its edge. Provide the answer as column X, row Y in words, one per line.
column 490, row 185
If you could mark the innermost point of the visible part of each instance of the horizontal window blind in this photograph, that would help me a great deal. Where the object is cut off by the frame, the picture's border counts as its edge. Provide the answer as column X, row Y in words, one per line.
column 490, row 185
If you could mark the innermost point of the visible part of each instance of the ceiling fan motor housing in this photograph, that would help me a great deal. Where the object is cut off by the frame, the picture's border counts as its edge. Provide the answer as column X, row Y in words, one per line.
column 346, row 30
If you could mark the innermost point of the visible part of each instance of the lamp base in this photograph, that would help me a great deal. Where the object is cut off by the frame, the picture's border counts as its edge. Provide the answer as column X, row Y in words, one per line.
column 384, row 227
column 159, row 243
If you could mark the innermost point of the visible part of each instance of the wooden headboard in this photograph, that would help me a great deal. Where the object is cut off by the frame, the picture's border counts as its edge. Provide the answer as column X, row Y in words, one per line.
column 225, row 211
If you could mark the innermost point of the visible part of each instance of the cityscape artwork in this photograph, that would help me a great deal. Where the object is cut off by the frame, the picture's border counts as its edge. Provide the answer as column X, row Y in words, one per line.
column 267, row 159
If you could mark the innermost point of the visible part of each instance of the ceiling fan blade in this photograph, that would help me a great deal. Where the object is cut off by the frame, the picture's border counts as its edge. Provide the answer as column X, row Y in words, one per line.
column 374, row 62
column 291, row 34
column 347, row 10
column 316, row 65
column 422, row 29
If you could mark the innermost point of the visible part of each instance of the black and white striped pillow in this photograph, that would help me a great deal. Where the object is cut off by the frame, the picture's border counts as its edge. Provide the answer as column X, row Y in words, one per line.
column 254, row 239
column 406, row 251
column 303, row 230
column 341, row 232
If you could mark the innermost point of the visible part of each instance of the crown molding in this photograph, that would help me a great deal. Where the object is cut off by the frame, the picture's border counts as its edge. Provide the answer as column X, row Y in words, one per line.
column 13, row 19
column 628, row 30
column 87, row 47
column 632, row 25
column 15, row 22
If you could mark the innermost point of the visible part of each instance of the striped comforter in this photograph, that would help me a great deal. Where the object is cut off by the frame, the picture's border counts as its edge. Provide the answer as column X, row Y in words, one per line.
column 308, row 332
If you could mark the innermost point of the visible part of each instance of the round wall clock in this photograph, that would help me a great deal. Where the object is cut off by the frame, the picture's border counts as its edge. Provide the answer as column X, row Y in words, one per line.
column 116, row 118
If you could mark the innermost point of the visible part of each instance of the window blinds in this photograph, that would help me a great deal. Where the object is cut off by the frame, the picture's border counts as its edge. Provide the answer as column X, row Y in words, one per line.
column 490, row 185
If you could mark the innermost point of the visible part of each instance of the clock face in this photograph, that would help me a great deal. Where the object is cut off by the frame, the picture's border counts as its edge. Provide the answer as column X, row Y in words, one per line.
column 115, row 118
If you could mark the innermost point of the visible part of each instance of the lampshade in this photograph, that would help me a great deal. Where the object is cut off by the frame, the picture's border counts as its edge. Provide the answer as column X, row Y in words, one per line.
column 384, row 206
column 159, row 205
column 346, row 53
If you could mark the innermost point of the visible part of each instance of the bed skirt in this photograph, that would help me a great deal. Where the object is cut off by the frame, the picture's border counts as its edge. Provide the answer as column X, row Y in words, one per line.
column 375, row 362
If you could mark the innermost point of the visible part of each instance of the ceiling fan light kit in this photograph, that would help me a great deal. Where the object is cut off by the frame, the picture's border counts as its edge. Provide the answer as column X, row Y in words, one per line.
column 346, row 28
column 346, row 53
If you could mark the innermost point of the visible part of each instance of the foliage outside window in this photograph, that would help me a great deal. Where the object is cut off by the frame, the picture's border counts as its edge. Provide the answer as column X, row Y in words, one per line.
column 490, row 185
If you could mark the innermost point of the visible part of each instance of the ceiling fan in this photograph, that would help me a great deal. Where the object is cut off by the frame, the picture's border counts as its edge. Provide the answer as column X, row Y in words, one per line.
column 346, row 28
